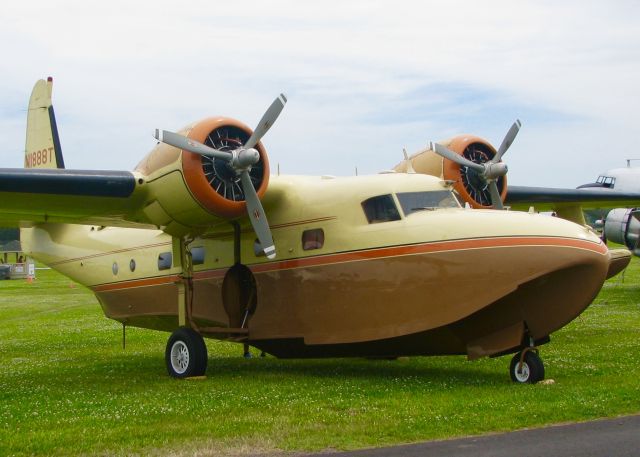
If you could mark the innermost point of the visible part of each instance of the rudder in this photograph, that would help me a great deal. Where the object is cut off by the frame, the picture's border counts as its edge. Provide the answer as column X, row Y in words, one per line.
column 42, row 146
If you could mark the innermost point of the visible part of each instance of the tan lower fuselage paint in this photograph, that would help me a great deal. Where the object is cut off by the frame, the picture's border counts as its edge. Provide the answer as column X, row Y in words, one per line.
column 446, row 281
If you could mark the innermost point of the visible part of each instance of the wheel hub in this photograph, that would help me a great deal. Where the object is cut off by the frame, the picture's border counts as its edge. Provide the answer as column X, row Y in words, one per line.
column 522, row 372
column 179, row 357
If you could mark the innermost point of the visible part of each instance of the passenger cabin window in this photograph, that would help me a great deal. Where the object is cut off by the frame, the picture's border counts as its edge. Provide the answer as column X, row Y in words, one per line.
column 420, row 201
column 312, row 239
column 197, row 255
column 165, row 260
column 380, row 209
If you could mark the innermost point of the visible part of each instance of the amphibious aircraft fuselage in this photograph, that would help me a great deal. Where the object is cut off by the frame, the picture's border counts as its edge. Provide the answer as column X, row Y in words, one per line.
column 437, row 279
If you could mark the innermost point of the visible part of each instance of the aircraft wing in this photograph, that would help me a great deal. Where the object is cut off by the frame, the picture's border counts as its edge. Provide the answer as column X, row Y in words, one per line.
column 34, row 195
column 548, row 199
column 568, row 203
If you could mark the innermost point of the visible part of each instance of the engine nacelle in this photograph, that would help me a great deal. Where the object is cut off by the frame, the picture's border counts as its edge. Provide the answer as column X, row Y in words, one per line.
column 622, row 226
column 187, row 192
column 466, row 182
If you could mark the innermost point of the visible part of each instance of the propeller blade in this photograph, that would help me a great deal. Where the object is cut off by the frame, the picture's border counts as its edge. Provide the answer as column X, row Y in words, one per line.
column 508, row 139
column 267, row 121
column 182, row 142
column 449, row 154
column 257, row 216
column 496, row 201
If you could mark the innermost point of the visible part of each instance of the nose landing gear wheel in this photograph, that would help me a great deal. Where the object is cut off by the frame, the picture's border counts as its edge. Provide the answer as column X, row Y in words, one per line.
column 186, row 354
column 531, row 370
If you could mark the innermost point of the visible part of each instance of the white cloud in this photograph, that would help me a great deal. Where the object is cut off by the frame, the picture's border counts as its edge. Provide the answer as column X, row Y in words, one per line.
column 351, row 70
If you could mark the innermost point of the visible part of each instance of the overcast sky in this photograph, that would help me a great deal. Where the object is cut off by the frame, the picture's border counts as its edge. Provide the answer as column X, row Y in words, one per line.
column 364, row 79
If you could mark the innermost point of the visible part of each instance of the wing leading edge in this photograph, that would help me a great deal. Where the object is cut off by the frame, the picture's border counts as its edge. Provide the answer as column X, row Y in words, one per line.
column 548, row 199
column 29, row 196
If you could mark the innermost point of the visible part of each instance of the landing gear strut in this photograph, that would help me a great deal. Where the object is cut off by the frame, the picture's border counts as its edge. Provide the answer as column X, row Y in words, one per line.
column 186, row 354
column 526, row 367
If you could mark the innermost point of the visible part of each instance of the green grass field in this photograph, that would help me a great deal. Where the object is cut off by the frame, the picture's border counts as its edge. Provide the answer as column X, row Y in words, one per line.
column 68, row 388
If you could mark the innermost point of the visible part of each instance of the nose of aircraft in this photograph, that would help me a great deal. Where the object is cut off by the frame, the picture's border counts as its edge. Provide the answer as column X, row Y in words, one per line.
column 556, row 268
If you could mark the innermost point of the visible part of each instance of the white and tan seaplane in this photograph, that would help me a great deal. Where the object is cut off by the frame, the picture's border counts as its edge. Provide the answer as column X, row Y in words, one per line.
column 199, row 240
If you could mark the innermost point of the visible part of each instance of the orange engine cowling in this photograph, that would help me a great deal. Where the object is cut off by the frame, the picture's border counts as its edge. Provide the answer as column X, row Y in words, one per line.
column 466, row 182
column 213, row 182
column 187, row 192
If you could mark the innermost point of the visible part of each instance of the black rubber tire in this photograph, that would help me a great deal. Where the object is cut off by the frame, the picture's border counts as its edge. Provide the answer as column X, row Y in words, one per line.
column 532, row 371
column 186, row 341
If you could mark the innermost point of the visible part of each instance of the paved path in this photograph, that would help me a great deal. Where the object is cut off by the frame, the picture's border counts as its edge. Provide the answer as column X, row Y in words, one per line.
column 602, row 438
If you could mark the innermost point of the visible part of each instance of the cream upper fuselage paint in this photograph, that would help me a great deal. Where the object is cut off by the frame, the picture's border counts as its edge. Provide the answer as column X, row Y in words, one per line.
column 432, row 281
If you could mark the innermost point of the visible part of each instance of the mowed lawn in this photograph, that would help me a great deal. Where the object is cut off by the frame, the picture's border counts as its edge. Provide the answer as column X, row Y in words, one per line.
column 68, row 388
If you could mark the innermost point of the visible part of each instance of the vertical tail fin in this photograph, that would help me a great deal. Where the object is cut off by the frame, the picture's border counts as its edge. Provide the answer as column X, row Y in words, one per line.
column 42, row 148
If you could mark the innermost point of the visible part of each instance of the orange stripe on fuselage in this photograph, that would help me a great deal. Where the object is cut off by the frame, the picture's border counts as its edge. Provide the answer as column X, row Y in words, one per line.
column 209, row 274
column 423, row 248
column 370, row 254
column 157, row 281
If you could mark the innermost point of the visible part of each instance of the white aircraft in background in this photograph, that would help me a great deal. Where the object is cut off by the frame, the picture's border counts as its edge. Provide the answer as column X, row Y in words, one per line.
column 621, row 225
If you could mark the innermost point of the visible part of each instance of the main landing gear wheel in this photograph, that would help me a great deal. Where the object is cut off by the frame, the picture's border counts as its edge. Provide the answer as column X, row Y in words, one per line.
column 186, row 354
column 531, row 370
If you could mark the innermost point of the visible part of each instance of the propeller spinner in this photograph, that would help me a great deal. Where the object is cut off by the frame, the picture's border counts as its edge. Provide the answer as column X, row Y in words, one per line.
column 489, row 171
column 240, row 161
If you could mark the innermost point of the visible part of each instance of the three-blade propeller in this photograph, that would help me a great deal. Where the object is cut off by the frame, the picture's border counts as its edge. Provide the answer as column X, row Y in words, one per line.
column 489, row 171
column 240, row 160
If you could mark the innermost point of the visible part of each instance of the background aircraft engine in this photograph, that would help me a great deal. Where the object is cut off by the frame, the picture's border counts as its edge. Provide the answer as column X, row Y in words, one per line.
column 622, row 226
column 474, row 166
column 212, row 180
column 468, row 182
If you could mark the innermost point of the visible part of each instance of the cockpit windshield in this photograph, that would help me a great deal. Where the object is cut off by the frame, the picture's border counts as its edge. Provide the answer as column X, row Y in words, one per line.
column 421, row 201
column 606, row 181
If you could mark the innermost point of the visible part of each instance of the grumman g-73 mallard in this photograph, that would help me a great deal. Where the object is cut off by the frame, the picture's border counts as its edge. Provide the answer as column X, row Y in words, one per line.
column 201, row 241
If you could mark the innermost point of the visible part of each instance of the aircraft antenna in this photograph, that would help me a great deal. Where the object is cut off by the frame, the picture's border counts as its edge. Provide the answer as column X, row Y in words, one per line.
column 409, row 166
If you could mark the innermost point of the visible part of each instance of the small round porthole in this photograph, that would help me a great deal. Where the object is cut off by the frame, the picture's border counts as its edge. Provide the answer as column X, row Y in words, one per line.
column 114, row 268
column 132, row 265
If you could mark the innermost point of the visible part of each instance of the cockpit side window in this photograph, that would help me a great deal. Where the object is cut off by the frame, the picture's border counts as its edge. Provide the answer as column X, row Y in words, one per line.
column 380, row 209
column 418, row 201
